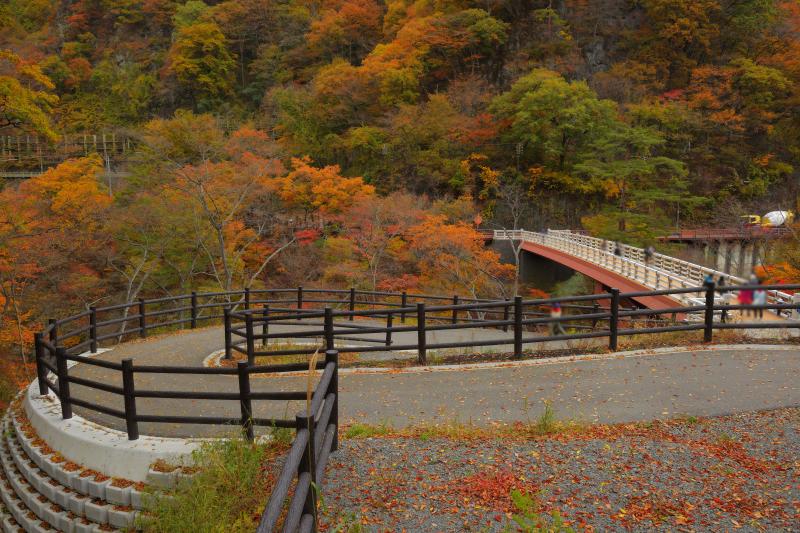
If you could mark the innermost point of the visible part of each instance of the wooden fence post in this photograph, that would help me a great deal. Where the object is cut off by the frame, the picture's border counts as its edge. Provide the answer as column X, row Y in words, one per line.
column 41, row 370
column 332, row 356
column 247, row 298
column 245, row 403
column 142, row 319
column 352, row 301
column 328, row 328
column 613, row 323
column 422, row 349
column 93, row 329
column 129, row 393
column 517, row 326
column 63, row 383
column 708, row 330
column 53, row 323
column 403, row 303
column 194, row 309
column 389, row 329
column 307, row 464
column 264, row 326
column 299, row 298
column 251, row 347
column 226, row 312
column 455, row 311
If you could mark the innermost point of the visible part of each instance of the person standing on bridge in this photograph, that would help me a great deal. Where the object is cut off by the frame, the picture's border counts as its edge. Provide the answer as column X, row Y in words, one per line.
column 617, row 249
column 649, row 252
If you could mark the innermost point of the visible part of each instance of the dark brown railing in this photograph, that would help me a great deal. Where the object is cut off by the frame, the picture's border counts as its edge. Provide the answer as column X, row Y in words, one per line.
column 587, row 317
column 330, row 315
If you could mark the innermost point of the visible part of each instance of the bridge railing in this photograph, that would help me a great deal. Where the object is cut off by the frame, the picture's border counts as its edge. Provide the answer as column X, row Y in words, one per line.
column 663, row 272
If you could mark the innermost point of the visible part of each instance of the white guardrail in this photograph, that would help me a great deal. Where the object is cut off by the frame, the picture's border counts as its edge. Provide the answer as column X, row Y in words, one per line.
column 662, row 272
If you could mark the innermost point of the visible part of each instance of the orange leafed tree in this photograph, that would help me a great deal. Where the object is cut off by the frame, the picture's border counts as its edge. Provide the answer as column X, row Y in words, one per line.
column 321, row 189
column 48, row 240
column 452, row 259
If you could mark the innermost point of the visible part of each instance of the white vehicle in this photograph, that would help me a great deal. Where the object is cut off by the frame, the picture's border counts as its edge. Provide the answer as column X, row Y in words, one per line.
column 776, row 219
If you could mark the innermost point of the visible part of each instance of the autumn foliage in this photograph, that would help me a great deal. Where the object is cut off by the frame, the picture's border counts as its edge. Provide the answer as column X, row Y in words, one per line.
column 354, row 142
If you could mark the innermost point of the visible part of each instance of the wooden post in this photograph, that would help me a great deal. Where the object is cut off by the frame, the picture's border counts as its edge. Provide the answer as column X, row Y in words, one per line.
column 328, row 328
column 389, row 329
column 245, row 403
column 422, row 349
column 247, row 298
column 306, row 421
column 194, row 309
column 299, row 298
column 142, row 319
column 332, row 356
column 307, row 463
column 708, row 330
column 93, row 329
column 455, row 311
column 41, row 370
column 226, row 312
column 613, row 324
column 53, row 331
column 403, row 303
column 251, row 348
column 63, row 383
column 128, row 391
column 517, row 326
column 352, row 301
column 264, row 326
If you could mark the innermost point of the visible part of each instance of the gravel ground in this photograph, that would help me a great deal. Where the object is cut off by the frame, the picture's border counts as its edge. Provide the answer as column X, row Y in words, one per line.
column 739, row 472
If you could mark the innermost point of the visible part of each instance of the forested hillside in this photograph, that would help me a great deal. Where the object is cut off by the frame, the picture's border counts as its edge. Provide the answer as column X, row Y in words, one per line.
column 354, row 141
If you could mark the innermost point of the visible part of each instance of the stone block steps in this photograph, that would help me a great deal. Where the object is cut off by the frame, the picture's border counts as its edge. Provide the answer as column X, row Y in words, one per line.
column 39, row 494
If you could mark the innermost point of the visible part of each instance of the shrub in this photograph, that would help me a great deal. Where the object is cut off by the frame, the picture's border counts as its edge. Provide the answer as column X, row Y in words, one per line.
column 228, row 493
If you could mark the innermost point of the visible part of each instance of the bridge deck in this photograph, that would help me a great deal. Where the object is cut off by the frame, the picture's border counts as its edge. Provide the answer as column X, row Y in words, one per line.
column 606, row 277
column 629, row 268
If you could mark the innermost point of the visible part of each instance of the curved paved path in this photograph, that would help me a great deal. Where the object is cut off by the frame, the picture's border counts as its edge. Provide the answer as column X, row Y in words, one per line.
column 595, row 389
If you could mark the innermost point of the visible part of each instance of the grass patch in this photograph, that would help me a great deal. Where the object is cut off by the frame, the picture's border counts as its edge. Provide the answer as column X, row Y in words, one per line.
column 547, row 423
column 681, row 338
column 344, row 358
column 365, row 431
column 688, row 419
column 528, row 517
column 725, row 438
column 228, row 492
column 342, row 522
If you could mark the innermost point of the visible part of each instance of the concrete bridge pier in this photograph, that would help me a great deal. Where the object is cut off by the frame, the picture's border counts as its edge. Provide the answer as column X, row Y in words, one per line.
column 721, row 256
column 737, row 257
column 736, row 251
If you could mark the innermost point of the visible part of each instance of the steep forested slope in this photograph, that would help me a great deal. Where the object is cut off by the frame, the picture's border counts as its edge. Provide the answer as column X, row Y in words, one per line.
column 568, row 96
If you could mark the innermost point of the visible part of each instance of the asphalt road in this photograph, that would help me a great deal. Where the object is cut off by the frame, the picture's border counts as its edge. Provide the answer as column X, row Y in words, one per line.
column 619, row 389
